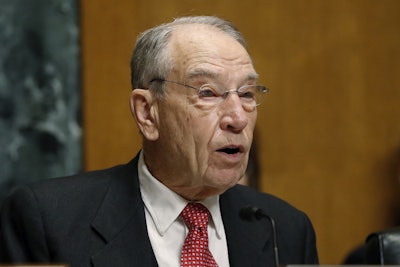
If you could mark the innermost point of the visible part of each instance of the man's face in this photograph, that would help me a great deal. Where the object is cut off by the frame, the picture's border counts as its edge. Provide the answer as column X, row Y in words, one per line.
column 204, row 150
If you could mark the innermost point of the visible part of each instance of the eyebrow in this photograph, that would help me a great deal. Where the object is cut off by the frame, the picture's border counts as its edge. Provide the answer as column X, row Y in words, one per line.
column 213, row 75
column 201, row 73
column 252, row 76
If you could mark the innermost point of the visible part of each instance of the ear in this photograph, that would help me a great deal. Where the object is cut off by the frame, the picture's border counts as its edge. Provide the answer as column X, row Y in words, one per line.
column 144, row 109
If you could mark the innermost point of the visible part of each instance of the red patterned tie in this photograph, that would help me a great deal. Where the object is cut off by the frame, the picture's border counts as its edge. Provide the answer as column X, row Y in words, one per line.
column 195, row 251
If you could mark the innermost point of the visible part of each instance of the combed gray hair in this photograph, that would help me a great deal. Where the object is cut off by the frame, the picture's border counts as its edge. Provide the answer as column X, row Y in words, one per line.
column 151, row 59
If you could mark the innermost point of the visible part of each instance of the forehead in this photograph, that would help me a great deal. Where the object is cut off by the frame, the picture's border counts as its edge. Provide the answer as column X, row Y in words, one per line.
column 201, row 49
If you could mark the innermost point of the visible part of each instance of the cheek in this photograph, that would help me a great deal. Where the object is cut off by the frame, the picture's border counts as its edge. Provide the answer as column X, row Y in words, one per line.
column 204, row 128
column 179, row 131
column 174, row 119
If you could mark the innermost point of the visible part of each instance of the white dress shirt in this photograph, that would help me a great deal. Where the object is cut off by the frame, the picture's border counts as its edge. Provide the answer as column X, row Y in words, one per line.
column 167, row 231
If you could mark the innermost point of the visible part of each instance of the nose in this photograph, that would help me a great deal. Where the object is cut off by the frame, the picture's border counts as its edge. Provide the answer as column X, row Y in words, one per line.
column 234, row 117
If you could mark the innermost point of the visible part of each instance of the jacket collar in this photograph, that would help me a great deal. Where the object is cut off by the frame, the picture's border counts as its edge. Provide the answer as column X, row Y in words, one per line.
column 120, row 221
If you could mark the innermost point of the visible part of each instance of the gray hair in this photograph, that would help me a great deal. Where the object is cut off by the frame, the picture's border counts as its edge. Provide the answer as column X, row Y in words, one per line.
column 151, row 58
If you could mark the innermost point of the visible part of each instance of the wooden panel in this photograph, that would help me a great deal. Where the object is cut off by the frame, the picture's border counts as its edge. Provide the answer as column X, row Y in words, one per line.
column 108, row 35
column 330, row 130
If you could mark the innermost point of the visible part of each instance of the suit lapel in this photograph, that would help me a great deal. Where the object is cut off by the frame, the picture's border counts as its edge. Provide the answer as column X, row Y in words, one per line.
column 120, row 221
column 249, row 243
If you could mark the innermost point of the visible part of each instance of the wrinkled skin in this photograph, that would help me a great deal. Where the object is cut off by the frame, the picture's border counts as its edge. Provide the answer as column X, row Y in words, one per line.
column 185, row 143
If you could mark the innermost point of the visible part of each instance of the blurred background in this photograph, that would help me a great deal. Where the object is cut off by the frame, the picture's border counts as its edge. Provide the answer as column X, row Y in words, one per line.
column 40, row 91
column 328, row 135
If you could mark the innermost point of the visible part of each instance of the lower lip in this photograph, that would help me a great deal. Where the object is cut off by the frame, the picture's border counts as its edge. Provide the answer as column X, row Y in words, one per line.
column 236, row 157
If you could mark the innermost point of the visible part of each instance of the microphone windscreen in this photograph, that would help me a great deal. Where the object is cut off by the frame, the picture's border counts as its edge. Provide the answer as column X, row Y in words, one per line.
column 248, row 213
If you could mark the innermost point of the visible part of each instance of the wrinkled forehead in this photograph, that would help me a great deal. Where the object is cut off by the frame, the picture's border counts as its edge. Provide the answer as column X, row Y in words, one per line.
column 204, row 50
column 199, row 38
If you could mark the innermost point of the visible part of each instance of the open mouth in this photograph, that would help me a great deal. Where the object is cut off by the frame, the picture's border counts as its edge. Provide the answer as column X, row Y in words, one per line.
column 230, row 150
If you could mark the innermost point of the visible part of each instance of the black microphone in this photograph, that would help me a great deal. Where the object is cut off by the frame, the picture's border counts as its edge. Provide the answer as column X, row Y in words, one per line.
column 251, row 213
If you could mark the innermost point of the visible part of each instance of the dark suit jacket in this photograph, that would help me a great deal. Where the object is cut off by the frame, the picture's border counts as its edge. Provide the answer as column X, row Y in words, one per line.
column 97, row 219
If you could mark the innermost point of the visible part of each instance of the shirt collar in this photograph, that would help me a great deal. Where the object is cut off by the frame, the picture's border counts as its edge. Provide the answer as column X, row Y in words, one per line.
column 164, row 205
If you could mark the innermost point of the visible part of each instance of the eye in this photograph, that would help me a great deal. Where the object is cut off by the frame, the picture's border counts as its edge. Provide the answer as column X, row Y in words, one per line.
column 206, row 91
column 247, row 92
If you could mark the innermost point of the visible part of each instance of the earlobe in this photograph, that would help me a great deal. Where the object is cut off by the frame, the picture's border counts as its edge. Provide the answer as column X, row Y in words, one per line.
column 144, row 109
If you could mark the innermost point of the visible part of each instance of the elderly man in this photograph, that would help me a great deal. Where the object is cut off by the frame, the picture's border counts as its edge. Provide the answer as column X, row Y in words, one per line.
column 177, row 203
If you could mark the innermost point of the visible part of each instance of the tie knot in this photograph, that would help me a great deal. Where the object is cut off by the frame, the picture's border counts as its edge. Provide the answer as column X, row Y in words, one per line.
column 195, row 215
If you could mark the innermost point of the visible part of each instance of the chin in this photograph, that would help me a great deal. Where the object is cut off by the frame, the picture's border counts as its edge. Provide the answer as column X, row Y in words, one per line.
column 222, row 185
column 229, row 179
